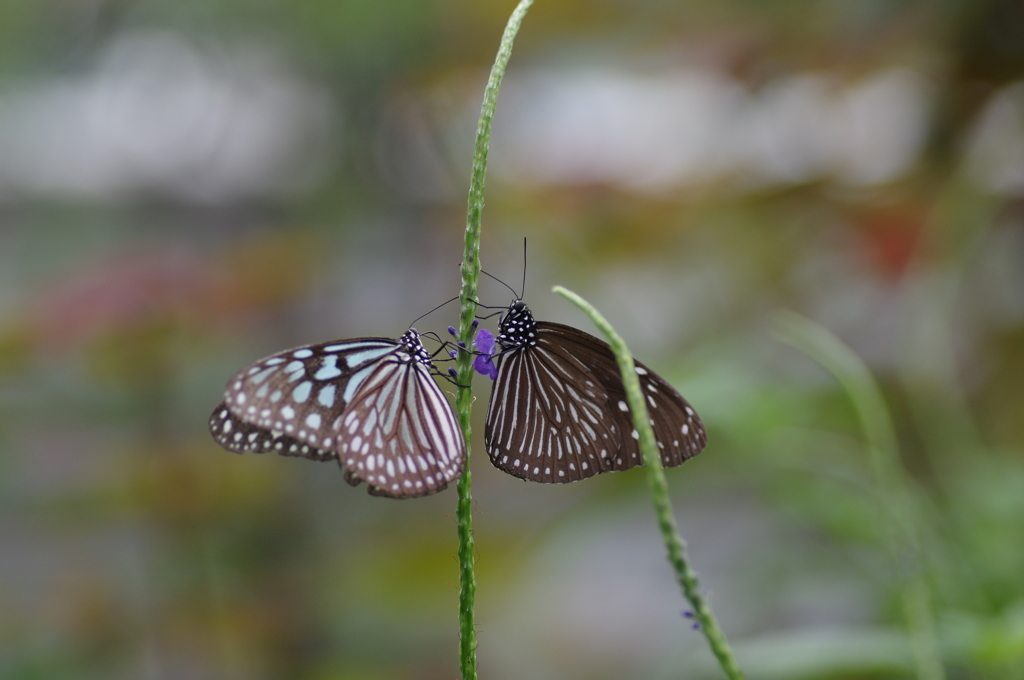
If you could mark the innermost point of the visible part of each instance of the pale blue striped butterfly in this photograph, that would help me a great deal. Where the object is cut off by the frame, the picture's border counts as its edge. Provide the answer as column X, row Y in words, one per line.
column 370, row 403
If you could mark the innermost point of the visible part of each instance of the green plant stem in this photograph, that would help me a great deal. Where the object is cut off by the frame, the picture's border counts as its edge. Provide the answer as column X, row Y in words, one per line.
column 902, row 522
column 464, row 398
column 674, row 543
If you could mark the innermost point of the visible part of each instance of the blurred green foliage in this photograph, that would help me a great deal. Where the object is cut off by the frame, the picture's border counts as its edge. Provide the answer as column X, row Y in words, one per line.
column 131, row 546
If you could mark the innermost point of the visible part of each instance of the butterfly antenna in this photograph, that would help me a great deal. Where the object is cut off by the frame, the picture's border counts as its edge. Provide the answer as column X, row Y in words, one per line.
column 518, row 297
column 524, row 268
column 432, row 335
column 433, row 310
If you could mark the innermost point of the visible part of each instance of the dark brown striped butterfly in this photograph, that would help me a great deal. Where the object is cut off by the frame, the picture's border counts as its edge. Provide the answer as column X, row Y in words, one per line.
column 558, row 408
column 369, row 403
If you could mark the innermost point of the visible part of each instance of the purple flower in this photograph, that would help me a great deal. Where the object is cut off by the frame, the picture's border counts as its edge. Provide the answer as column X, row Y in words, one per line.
column 484, row 344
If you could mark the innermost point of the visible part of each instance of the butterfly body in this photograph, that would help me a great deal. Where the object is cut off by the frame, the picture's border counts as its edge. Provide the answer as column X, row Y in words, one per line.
column 369, row 403
column 558, row 409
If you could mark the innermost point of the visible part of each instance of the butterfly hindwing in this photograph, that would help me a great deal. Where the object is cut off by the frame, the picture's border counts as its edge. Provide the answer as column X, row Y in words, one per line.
column 236, row 435
column 677, row 427
column 329, row 401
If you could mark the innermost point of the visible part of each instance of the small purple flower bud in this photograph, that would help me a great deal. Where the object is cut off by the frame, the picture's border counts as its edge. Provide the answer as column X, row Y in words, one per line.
column 452, row 373
column 451, row 329
column 476, row 323
column 461, row 344
column 688, row 614
column 695, row 626
column 453, row 354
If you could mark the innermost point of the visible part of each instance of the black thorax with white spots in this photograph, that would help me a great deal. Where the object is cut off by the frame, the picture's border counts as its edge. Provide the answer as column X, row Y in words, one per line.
column 410, row 342
column 517, row 328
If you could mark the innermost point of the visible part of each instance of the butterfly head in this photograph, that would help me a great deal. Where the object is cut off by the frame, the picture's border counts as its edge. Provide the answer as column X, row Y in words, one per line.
column 517, row 328
column 411, row 342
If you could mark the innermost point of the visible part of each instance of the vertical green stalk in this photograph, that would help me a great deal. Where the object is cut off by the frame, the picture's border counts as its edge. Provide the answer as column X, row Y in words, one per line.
column 464, row 399
column 674, row 543
column 902, row 520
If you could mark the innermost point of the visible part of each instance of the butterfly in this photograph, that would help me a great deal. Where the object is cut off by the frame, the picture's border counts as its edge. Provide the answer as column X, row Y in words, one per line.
column 558, row 409
column 370, row 403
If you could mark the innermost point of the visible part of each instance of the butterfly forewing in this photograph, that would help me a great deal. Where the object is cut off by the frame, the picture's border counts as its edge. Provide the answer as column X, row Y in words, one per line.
column 297, row 402
column 545, row 419
column 558, row 410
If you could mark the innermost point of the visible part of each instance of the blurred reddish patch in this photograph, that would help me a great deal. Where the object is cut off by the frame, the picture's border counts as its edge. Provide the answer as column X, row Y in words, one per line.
column 891, row 235
column 171, row 287
column 125, row 291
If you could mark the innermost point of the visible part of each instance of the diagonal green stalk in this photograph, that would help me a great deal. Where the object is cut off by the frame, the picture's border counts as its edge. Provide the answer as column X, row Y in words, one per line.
column 464, row 398
column 674, row 543
column 902, row 522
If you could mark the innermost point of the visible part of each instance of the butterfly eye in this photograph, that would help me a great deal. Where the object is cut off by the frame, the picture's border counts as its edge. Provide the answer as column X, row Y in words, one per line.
column 558, row 408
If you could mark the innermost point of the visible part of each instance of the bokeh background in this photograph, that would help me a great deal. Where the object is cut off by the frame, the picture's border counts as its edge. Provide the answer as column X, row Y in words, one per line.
column 187, row 185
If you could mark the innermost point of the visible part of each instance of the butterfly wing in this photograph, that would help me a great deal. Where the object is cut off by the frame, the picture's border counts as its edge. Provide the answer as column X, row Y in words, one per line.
column 295, row 403
column 545, row 419
column 236, row 435
column 558, row 411
column 399, row 434
column 295, row 395
column 677, row 427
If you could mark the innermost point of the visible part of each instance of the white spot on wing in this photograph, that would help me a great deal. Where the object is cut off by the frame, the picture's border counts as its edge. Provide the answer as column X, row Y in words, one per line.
column 326, row 396
column 302, row 391
column 329, row 369
column 263, row 375
column 367, row 355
